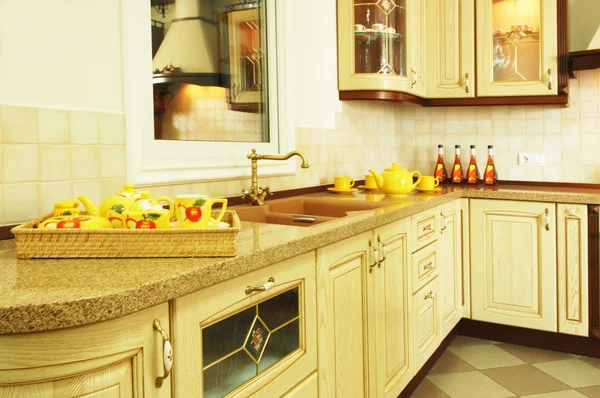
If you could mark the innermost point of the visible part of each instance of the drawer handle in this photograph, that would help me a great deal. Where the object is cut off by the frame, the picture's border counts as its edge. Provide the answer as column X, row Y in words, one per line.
column 167, row 353
column 549, row 79
column 547, row 219
column 375, row 256
column 429, row 266
column 467, row 83
column 383, row 251
column 427, row 227
column 430, row 295
column 270, row 283
column 443, row 221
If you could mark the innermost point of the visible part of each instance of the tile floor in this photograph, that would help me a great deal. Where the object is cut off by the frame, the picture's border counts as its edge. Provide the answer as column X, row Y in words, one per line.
column 474, row 368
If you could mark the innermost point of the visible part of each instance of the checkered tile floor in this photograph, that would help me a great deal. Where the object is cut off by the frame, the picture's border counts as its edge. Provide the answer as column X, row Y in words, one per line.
column 474, row 368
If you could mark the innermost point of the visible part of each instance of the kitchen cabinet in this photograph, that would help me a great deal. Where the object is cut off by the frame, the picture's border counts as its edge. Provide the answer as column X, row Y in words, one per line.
column 364, row 326
column 117, row 358
column 252, row 335
column 517, row 48
column 245, row 56
column 380, row 45
column 451, row 48
column 513, row 263
column 572, row 236
column 449, row 248
column 426, row 321
column 307, row 388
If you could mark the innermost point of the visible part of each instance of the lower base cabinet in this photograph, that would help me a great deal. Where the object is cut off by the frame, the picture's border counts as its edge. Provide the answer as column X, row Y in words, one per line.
column 426, row 322
column 307, row 388
column 254, row 335
column 117, row 358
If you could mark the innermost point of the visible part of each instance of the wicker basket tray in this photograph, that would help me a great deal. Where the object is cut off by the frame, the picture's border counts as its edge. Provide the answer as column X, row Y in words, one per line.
column 109, row 243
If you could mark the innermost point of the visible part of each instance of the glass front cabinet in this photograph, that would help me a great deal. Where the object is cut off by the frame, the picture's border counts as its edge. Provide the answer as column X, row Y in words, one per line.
column 517, row 47
column 380, row 45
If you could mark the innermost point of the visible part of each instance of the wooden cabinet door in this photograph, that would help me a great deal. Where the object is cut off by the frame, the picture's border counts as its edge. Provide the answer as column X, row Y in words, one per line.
column 513, row 263
column 346, row 338
column 117, row 358
column 252, row 335
column 451, row 48
column 392, row 326
column 572, row 234
column 516, row 48
column 245, row 56
column 450, row 266
column 426, row 319
column 307, row 388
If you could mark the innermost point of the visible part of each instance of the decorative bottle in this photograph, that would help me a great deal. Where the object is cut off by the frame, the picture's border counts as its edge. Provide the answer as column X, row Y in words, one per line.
column 490, row 177
column 457, row 174
column 472, row 171
column 440, row 168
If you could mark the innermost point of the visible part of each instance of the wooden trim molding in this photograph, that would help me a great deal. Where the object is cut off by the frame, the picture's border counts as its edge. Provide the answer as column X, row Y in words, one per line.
column 5, row 232
column 562, row 27
column 593, row 269
column 582, row 60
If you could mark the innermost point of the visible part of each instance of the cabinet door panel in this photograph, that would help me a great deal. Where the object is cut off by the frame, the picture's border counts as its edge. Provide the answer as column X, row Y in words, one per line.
column 345, row 337
column 307, row 388
column 450, row 48
column 513, row 263
column 450, row 266
column 572, row 233
column 426, row 322
column 394, row 366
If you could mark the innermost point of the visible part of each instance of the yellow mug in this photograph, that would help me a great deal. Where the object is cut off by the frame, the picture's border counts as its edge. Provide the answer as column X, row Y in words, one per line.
column 428, row 183
column 370, row 181
column 195, row 210
column 343, row 183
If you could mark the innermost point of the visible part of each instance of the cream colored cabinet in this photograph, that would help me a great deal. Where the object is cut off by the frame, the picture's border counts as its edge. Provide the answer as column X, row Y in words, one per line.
column 380, row 45
column 572, row 235
column 117, row 358
column 307, row 388
column 513, row 263
column 252, row 335
column 450, row 268
column 364, row 327
column 246, row 56
column 426, row 320
column 450, row 48
column 516, row 48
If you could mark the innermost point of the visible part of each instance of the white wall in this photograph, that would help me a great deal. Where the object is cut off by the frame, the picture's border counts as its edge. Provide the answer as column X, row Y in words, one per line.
column 61, row 54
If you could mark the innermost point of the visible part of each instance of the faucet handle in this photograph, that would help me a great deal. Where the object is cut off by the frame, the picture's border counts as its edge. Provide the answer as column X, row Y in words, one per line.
column 245, row 193
column 265, row 191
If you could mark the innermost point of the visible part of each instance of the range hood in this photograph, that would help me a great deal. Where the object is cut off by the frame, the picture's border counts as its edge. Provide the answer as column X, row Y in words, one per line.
column 190, row 44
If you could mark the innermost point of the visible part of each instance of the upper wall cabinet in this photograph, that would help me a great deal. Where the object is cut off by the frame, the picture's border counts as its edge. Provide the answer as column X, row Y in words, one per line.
column 379, row 45
column 517, row 47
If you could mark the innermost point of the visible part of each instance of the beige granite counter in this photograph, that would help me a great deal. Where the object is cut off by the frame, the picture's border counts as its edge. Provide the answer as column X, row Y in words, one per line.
column 38, row 295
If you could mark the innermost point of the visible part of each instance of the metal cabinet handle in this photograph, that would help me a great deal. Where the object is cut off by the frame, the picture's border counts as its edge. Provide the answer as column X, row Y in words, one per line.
column 443, row 222
column 270, row 283
column 467, row 83
column 428, row 266
column 383, row 251
column 415, row 77
column 167, row 353
column 375, row 256
column 547, row 220
column 427, row 227
column 430, row 295
column 549, row 79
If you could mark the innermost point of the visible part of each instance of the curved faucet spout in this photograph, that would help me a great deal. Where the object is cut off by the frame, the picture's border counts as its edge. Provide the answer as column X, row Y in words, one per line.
column 256, row 156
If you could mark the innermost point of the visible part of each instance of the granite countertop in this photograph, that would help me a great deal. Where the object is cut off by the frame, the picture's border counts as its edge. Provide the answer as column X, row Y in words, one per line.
column 37, row 295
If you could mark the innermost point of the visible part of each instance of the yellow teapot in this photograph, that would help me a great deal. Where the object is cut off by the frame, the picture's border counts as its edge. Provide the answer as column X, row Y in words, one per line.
column 119, row 200
column 396, row 181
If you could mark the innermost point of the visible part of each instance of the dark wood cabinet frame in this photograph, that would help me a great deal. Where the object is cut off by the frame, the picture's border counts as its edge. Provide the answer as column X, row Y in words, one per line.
column 563, row 80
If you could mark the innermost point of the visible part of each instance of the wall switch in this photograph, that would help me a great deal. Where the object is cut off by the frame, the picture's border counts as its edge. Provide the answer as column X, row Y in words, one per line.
column 532, row 159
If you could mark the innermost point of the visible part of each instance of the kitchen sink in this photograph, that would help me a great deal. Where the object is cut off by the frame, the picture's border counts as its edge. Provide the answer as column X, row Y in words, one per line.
column 304, row 211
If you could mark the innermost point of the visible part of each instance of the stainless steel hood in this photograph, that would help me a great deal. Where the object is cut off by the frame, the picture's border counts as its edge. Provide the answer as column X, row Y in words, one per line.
column 190, row 44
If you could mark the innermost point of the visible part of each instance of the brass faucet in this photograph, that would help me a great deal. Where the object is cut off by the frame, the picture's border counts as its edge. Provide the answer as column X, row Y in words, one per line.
column 257, row 194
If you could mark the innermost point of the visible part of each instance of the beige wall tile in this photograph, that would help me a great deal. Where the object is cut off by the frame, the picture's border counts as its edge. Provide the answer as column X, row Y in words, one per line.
column 111, row 128
column 21, row 202
column 85, row 162
column 89, row 188
column 84, row 127
column 112, row 161
column 20, row 162
column 19, row 124
column 111, row 185
column 52, row 192
column 55, row 162
column 53, row 126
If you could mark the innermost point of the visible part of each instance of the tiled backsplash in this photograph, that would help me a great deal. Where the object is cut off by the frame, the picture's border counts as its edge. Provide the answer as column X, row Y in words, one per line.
column 52, row 154
column 568, row 136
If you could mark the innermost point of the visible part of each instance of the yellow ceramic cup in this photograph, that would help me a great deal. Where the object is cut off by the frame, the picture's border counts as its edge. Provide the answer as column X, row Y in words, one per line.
column 428, row 183
column 370, row 181
column 148, row 219
column 195, row 211
column 343, row 182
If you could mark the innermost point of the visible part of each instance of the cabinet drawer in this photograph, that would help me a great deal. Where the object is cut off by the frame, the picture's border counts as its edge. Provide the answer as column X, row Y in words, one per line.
column 424, row 229
column 256, row 342
column 426, row 322
column 424, row 266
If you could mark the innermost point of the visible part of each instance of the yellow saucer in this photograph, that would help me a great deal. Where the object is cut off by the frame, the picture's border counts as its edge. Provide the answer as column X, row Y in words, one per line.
column 429, row 190
column 366, row 188
column 335, row 190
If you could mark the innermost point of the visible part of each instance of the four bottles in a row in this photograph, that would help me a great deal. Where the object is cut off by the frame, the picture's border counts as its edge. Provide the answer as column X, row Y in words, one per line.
column 490, row 177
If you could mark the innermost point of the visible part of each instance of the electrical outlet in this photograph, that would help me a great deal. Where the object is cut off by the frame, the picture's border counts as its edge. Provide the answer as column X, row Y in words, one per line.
column 532, row 159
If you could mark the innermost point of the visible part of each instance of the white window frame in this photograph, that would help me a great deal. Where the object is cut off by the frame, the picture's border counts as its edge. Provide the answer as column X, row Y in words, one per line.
column 151, row 161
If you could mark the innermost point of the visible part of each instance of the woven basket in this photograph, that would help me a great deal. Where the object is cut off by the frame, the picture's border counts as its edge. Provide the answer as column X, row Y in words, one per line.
column 32, row 242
